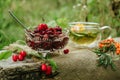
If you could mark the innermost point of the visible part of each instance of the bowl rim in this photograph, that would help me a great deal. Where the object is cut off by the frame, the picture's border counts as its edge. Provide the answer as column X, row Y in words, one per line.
column 89, row 23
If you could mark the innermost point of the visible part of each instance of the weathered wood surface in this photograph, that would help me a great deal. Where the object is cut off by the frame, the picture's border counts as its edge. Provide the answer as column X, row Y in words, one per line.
column 79, row 64
column 26, row 70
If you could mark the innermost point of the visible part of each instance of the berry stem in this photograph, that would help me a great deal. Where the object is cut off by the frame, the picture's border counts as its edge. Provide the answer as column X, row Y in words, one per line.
column 43, row 19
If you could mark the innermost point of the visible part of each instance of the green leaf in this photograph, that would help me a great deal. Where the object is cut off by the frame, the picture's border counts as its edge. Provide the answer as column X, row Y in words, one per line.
column 106, row 63
column 5, row 55
column 52, row 24
column 112, row 48
column 100, row 63
column 36, row 54
column 62, row 22
column 113, row 66
column 22, row 42
column 98, row 52
column 53, row 64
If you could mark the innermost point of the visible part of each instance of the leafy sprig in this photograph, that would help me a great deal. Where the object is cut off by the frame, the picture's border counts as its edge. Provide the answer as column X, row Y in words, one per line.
column 104, row 59
column 5, row 54
column 106, row 52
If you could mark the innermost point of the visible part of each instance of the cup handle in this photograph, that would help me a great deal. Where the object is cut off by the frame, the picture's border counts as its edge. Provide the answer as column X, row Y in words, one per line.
column 107, row 27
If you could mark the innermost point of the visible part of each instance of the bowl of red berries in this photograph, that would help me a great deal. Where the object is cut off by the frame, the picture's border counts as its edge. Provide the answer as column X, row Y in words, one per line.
column 47, row 39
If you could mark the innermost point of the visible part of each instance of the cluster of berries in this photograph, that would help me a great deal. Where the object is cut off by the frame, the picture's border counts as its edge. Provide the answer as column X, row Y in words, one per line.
column 43, row 29
column 108, row 43
column 47, row 38
column 46, row 69
column 21, row 56
column 117, row 45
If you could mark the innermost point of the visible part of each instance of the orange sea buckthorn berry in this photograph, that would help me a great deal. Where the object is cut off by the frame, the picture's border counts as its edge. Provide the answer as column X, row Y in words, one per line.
column 101, row 45
column 118, row 51
column 108, row 41
column 117, row 45
column 112, row 40
column 105, row 41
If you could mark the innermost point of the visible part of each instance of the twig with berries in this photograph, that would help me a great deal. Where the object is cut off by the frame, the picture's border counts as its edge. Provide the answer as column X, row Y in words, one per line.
column 49, row 68
column 107, row 52
column 19, row 56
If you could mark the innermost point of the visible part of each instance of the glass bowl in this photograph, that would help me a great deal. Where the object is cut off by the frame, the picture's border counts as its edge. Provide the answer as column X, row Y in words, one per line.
column 45, row 43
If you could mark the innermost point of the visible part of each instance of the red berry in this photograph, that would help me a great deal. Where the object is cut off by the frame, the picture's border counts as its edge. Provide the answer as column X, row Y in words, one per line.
column 36, row 31
column 23, row 53
column 32, row 43
column 20, row 57
column 45, row 36
column 42, row 32
column 14, row 57
column 43, row 67
column 58, row 28
column 50, row 31
column 66, row 51
column 49, row 70
column 42, row 27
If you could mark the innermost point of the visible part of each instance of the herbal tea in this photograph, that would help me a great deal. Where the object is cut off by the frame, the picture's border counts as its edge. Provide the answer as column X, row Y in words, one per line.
column 86, row 34
column 84, row 37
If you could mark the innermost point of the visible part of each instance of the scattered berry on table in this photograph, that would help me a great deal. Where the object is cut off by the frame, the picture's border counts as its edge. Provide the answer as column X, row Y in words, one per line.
column 20, row 57
column 66, row 51
column 49, row 70
column 23, row 53
column 44, row 67
column 15, row 57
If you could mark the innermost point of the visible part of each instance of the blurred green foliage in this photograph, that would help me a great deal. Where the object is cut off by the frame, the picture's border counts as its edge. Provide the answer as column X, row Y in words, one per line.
column 31, row 12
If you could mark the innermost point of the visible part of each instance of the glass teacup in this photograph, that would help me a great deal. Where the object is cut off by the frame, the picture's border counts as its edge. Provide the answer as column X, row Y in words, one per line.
column 86, row 34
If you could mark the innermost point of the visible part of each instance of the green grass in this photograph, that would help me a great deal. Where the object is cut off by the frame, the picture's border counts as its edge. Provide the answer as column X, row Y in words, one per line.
column 30, row 12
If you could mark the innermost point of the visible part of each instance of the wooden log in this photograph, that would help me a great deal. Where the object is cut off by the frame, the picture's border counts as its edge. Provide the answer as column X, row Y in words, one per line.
column 82, row 65
column 79, row 64
column 10, row 70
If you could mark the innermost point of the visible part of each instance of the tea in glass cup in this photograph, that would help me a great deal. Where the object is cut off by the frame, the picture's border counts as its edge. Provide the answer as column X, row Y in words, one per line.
column 85, row 34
